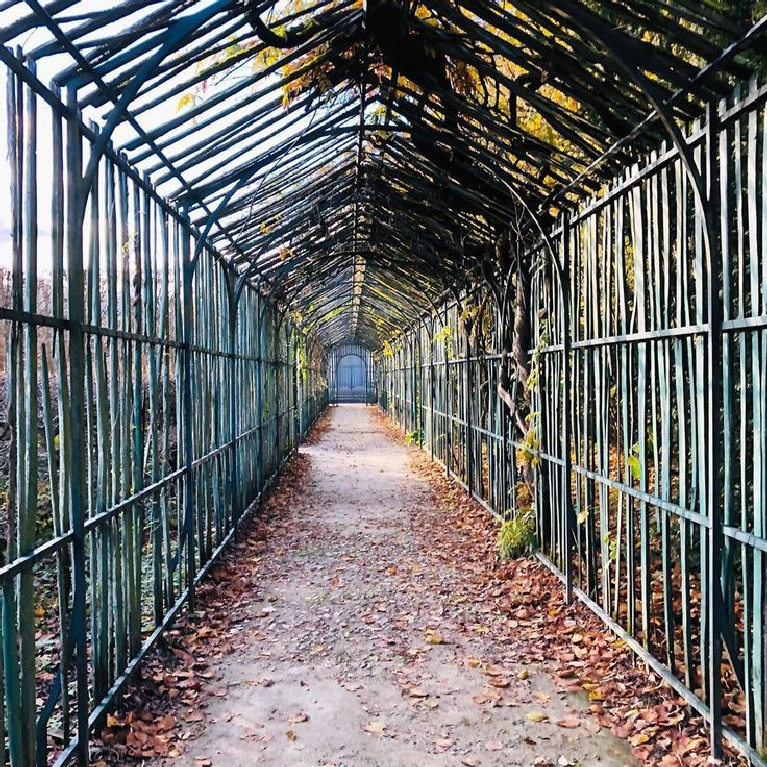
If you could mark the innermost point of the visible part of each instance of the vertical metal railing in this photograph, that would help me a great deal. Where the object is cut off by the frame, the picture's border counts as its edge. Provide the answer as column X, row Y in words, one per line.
column 650, row 403
column 145, row 412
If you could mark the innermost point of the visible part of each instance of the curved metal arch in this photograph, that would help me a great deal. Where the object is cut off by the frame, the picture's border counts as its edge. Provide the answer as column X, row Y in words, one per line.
column 607, row 39
column 177, row 34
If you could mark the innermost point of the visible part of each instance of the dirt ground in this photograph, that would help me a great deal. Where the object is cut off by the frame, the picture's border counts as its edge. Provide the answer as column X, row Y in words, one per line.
column 352, row 653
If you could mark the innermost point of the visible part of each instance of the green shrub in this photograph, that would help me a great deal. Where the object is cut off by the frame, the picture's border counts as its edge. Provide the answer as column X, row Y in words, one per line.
column 415, row 438
column 517, row 536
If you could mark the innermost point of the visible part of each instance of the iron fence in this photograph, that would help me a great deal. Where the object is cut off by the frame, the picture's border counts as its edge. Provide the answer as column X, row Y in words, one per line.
column 646, row 433
column 150, row 397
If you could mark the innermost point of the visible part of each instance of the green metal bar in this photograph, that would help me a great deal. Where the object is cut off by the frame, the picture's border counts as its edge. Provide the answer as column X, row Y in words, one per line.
column 78, row 494
column 11, row 671
column 714, row 446
column 188, row 415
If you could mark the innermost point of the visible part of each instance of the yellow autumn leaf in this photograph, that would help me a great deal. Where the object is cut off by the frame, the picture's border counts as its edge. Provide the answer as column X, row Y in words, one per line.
column 596, row 695
column 185, row 101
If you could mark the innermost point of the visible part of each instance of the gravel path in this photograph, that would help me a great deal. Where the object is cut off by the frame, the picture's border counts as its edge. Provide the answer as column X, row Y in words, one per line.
column 355, row 651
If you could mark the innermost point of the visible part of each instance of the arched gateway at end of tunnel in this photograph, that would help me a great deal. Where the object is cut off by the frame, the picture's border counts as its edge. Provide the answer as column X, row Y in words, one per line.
column 533, row 232
column 351, row 375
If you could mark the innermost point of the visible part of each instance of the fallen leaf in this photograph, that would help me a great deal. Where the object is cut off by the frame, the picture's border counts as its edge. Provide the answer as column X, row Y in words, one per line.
column 536, row 716
column 290, row 734
column 596, row 694
column 298, row 718
column 569, row 724
column 470, row 761
column 492, row 671
column 377, row 728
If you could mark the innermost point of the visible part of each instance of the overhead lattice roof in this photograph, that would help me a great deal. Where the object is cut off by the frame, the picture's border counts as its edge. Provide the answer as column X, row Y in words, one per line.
column 360, row 161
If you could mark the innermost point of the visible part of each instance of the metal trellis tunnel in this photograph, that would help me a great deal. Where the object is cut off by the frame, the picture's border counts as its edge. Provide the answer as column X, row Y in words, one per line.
column 541, row 226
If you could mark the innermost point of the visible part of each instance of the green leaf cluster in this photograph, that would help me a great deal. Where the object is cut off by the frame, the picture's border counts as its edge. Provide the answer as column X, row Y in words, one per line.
column 517, row 536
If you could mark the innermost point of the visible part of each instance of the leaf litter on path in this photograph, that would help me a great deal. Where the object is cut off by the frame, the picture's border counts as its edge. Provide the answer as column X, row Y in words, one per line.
column 409, row 596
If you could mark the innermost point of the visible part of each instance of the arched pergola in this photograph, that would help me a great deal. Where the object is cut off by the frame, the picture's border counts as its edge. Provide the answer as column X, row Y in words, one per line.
column 540, row 224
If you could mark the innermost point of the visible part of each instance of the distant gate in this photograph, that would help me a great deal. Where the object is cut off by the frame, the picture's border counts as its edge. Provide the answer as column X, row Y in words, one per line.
column 351, row 375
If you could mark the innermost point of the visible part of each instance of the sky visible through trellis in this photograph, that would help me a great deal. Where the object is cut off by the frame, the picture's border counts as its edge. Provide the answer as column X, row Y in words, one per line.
column 49, row 67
